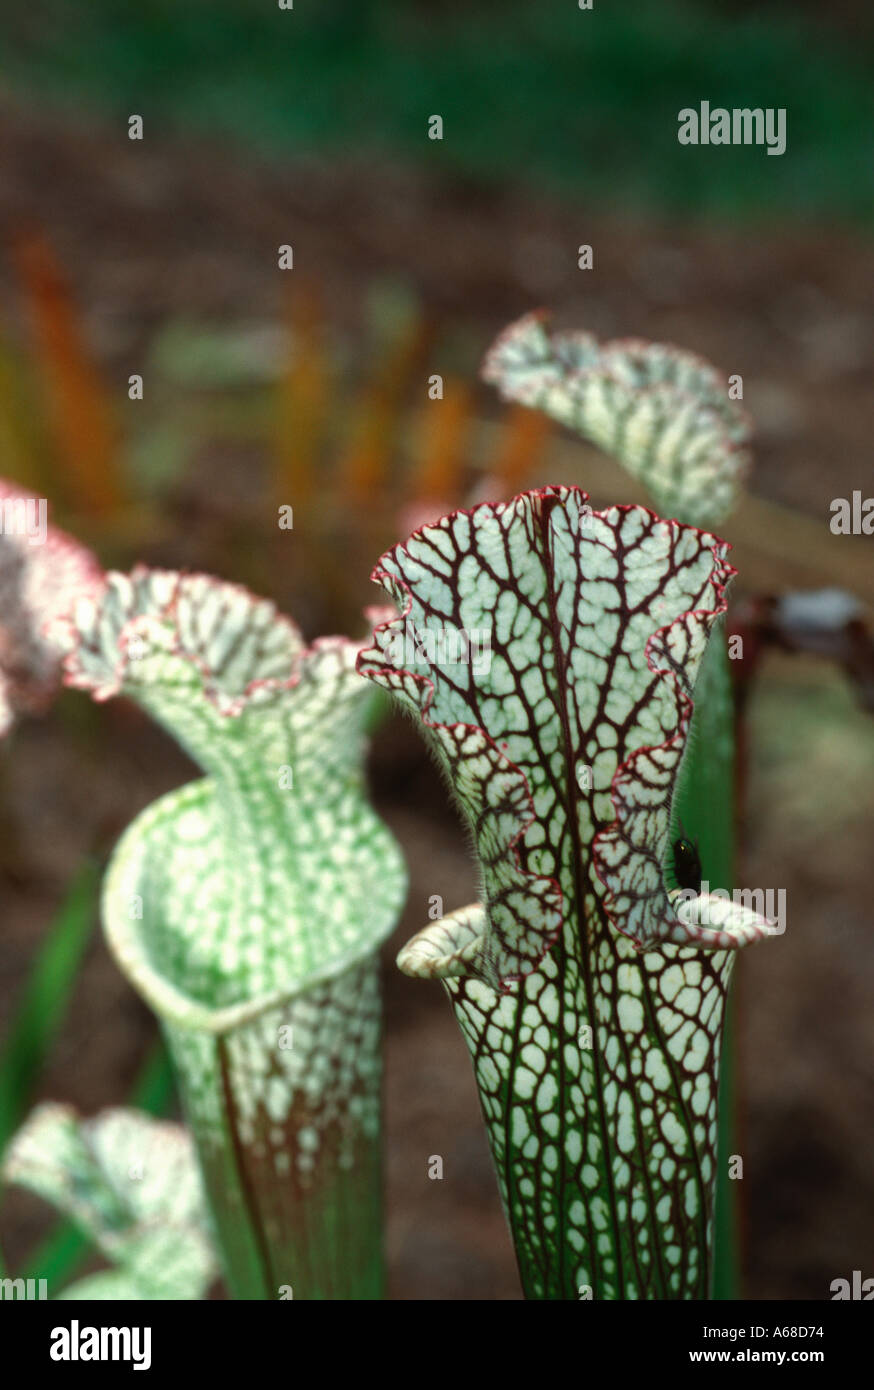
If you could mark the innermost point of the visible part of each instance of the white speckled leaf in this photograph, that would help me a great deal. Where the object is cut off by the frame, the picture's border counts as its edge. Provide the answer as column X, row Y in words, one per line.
column 275, row 869
column 247, row 908
column 132, row 1184
column 664, row 413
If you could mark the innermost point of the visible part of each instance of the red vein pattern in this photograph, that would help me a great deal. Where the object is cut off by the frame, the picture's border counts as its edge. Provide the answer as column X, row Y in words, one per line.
column 592, row 1009
column 247, row 909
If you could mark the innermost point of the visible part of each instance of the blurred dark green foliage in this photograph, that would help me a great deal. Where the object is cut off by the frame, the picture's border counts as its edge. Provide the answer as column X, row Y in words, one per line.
column 581, row 102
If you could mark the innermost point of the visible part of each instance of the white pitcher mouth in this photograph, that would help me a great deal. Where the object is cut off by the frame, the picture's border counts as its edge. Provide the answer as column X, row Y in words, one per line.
column 127, row 937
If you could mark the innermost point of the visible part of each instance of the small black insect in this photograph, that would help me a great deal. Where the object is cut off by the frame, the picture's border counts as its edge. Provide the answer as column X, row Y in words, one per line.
column 687, row 865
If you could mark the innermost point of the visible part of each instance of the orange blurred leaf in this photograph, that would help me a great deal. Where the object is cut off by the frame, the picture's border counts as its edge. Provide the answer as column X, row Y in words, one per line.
column 522, row 446
column 444, row 428
column 80, row 418
column 364, row 466
column 303, row 401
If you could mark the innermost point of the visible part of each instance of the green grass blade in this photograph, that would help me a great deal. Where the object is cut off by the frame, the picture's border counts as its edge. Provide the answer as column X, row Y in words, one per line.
column 40, row 1014
column 726, row 1236
column 59, row 1256
column 63, row 1250
column 705, row 803
column 154, row 1090
column 45, row 998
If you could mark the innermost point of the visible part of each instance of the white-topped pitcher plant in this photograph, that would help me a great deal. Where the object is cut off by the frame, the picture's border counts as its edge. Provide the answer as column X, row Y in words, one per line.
column 590, row 980
column 247, row 908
